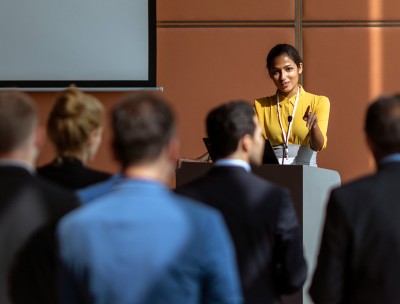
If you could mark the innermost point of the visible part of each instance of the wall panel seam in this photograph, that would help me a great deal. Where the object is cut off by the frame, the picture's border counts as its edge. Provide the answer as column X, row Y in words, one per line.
column 299, row 30
column 350, row 23
column 226, row 23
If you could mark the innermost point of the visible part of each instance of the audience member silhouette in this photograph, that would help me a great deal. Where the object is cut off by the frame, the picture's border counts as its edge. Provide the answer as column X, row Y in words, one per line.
column 259, row 214
column 29, row 207
column 75, row 128
column 360, row 249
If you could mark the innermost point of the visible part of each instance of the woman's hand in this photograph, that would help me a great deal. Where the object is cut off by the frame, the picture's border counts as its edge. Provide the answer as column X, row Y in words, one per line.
column 311, row 119
column 316, row 137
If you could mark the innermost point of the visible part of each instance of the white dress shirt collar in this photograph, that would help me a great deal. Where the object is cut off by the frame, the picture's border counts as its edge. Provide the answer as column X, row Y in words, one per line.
column 234, row 163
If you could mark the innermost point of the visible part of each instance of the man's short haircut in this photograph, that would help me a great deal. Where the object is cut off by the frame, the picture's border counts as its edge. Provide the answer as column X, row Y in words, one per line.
column 18, row 119
column 382, row 123
column 143, row 125
column 227, row 124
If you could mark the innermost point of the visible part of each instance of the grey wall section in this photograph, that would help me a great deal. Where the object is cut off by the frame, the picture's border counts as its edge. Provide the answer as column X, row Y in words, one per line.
column 317, row 184
column 310, row 188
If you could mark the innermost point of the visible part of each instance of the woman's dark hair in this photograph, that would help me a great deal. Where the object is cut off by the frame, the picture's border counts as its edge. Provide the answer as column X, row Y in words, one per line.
column 281, row 49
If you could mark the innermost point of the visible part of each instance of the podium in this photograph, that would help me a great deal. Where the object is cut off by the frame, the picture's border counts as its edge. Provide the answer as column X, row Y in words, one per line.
column 309, row 187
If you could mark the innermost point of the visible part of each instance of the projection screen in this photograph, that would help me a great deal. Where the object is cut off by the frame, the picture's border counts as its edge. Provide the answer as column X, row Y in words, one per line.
column 90, row 43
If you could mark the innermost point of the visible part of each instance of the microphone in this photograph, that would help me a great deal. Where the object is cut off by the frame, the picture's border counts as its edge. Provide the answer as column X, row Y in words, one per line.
column 286, row 147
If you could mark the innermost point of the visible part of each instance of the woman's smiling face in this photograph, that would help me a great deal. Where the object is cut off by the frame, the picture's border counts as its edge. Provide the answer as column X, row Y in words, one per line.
column 285, row 74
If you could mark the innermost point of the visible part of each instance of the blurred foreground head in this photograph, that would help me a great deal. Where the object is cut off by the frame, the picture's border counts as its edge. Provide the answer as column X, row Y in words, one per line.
column 144, row 131
column 18, row 126
column 382, row 126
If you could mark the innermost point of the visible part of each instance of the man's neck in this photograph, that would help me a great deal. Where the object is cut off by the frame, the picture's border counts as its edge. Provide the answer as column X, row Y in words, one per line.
column 19, row 157
column 239, row 155
column 152, row 172
column 234, row 161
column 13, row 162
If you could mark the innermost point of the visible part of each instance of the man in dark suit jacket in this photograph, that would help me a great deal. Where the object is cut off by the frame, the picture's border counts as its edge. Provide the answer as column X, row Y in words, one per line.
column 259, row 214
column 359, row 258
column 29, row 207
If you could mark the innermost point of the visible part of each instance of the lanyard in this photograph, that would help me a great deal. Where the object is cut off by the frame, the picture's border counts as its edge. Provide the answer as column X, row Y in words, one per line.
column 290, row 118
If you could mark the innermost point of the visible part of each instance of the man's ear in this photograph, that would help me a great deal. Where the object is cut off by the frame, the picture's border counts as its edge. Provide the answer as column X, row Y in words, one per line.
column 173, row 149
column 246, row 142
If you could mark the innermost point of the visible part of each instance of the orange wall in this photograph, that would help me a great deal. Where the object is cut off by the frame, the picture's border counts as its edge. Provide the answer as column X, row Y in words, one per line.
column 210, row 52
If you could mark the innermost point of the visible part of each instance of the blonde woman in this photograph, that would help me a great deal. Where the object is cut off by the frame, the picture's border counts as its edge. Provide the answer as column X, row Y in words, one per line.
column 75, row 129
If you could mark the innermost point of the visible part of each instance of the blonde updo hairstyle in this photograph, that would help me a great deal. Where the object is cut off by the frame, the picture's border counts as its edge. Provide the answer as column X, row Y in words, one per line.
column 72, row 120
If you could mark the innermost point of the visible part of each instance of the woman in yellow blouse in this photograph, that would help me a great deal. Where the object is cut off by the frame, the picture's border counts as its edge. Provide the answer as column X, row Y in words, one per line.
column 294, row 121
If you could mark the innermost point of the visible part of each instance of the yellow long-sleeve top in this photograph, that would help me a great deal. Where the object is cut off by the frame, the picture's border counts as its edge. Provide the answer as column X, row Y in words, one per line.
column 267, row 112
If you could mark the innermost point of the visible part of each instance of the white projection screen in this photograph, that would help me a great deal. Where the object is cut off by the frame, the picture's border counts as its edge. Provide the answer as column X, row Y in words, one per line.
column 90, row 43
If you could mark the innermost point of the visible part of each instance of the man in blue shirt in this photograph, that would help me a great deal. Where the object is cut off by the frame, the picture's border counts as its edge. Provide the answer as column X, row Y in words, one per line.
column 141, row 243
column 359, row 258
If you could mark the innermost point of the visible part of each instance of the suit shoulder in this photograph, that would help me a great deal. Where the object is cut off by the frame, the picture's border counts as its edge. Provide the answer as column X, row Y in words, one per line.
column 61, row 196
column 194, row 185
column 49, row 186
column 101, row 175
column 355, row 185
column 263, row 182
column 247, row 181
column 194, row 206
column 356, row 195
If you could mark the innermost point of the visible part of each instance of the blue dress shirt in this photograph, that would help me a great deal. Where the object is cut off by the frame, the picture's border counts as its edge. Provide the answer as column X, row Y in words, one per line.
column 141, row 243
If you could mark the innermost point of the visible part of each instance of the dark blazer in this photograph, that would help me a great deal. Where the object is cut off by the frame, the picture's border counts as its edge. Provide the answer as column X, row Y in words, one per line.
column 264, row 229
column 70, row 172
column 359, row 258
column 29, row 210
